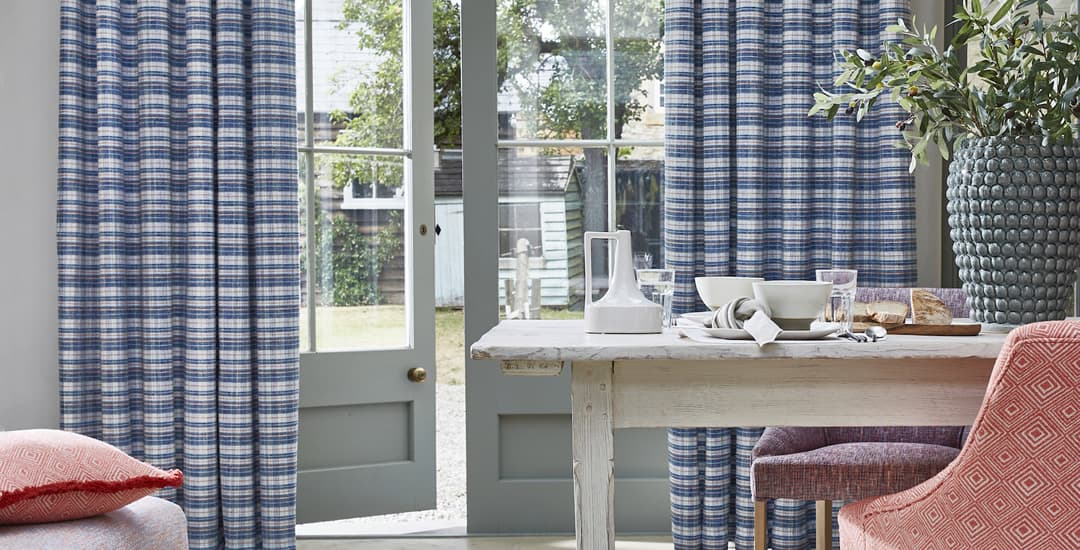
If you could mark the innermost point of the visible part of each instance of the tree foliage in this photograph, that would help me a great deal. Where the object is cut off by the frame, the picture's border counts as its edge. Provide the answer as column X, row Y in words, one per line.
column 551, row 55
column 1026, row 82
column 358, row 260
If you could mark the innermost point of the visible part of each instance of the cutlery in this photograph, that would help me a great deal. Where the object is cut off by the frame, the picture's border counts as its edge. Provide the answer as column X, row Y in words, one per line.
column 871, row 334
column 875, row 333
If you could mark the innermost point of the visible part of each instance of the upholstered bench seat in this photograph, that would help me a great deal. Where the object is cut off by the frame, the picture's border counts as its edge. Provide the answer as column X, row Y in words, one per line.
column 849, row 463
column 849, row 471
column 149, row 522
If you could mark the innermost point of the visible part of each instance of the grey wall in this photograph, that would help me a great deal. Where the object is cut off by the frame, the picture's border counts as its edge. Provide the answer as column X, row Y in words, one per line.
column 928, row 180
column 29, row 45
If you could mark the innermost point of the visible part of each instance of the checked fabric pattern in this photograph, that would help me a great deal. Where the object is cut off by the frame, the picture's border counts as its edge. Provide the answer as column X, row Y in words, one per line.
column 754, row 187
column 178, row 251
column 1016, row 483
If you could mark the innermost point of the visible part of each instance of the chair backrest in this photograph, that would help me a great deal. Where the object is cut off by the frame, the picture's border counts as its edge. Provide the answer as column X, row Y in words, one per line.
column 1029, row 423
column 954, row 298
column 1016, row 483
column 948, row 436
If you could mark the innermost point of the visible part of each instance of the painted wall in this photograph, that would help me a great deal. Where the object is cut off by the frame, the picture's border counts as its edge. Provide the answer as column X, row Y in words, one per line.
column 928, row 180
column 29, row 46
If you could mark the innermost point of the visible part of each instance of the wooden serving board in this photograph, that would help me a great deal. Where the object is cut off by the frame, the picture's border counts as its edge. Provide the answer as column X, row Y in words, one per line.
column 955, row 329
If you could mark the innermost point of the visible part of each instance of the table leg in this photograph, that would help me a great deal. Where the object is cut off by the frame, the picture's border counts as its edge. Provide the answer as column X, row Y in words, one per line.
column 594, row 455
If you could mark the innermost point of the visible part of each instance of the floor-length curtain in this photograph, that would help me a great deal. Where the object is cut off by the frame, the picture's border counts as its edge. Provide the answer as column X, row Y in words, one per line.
column 755, row 188
column 177, row 243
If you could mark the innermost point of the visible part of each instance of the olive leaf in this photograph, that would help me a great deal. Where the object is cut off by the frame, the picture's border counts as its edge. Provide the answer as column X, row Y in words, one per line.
column 1026, row 82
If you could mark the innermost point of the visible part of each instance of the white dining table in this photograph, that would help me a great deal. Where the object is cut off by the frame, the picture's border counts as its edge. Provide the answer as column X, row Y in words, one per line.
column 664, row 380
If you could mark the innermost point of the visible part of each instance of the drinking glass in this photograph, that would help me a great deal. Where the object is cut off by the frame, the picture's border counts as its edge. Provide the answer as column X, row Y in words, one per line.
column 658, row 285
column 841, row 306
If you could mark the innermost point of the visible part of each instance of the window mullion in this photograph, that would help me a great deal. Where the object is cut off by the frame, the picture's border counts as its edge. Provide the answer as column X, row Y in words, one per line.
column 583, row 143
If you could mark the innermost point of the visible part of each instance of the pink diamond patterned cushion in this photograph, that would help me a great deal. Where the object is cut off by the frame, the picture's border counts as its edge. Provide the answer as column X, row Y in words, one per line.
column 1016, row 483
column 52, row 475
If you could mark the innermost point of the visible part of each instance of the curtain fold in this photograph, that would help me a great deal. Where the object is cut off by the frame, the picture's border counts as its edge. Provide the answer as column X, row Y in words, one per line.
column 753, row 187
column 178, row 251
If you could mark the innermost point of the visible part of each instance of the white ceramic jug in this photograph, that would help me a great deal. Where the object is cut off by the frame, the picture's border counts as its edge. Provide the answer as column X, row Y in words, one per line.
column 623, row 309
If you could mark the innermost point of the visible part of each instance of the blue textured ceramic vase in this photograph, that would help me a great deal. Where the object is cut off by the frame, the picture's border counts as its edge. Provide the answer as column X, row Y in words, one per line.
column 1014, row 214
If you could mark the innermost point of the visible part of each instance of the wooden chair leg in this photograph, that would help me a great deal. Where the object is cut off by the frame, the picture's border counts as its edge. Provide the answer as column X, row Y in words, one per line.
column 824, row 525
column 761, row 526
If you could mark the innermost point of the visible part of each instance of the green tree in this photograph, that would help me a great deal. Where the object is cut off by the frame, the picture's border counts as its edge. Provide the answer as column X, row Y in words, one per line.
column 551, row 56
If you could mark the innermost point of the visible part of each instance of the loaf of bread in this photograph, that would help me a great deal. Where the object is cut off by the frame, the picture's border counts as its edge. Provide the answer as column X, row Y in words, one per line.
column 888, row 318
column 927, row 309
column 883, row 312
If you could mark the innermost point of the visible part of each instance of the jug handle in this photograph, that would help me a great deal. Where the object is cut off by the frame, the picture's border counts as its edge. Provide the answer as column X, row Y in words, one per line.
column 589, row 236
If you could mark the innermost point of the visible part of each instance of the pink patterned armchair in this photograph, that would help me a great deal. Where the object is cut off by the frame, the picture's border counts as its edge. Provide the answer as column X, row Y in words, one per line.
column 1016, row 484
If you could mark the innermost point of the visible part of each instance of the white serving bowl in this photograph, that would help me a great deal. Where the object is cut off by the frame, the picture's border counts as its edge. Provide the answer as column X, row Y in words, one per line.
column 794, row 304
column 717, row 291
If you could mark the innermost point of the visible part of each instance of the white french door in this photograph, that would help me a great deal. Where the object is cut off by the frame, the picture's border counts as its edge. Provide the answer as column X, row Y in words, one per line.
column 367, row 368
column 545, row 91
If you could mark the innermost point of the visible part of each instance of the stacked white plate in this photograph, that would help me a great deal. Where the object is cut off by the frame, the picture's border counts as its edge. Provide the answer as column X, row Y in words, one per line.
column 698, row 320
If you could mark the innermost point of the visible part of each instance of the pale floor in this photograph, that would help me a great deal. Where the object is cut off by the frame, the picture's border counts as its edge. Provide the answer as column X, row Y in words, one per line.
column 477, row 543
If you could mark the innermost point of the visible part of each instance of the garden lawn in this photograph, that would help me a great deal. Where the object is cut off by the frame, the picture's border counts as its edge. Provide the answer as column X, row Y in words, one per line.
column 377, row 327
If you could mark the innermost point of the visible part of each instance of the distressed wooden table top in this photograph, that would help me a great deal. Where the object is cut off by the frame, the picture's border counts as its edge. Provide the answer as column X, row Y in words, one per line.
column 567, row 341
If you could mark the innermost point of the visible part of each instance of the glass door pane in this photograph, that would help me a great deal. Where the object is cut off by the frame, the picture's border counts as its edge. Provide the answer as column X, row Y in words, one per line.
column 552, row 69
column 546, row 198
column 358, row 69
column 360, row 252
column 638, row 31
column 639, row 201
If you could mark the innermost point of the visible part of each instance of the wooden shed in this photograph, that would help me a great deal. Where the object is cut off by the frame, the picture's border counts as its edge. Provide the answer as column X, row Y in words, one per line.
column 539, row 200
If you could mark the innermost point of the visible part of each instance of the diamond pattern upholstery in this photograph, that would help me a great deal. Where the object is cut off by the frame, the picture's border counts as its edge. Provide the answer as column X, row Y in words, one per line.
column 1016, row 484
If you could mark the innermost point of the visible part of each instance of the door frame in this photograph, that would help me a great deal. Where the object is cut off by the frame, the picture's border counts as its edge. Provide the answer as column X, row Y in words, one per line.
column 479, row 136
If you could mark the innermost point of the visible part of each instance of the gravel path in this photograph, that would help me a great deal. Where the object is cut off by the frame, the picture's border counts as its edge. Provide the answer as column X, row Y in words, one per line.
column 450, row 478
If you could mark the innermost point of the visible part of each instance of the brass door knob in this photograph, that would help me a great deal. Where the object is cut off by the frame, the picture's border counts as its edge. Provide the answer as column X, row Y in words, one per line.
column 417, row 374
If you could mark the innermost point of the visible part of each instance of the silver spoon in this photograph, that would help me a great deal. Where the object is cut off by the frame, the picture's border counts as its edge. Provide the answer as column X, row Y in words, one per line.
column 875, row 333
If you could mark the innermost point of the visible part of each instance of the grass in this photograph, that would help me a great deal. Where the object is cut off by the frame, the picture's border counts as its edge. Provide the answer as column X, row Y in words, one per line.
column 377, row 327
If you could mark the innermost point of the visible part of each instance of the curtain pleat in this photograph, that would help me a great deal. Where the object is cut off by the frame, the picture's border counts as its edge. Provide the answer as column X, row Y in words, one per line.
column 178, row 251
column 753, row 187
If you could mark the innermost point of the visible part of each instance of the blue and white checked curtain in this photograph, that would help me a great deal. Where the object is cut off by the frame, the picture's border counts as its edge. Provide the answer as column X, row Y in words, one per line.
column 755, row 188
column 178, row 250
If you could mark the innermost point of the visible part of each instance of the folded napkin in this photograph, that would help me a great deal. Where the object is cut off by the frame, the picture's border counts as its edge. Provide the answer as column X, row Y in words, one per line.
column 747, row 314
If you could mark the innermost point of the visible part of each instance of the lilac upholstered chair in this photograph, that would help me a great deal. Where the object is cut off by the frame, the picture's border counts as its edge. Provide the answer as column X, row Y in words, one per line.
column 826, row 464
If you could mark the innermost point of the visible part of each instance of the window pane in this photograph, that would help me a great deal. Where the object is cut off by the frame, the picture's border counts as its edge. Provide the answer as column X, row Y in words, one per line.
column 360, row 252
column 517, row 222
column 639, row 68
column 523, row 215
column 552, row 69
column 639, row 200
column 357, row 86
column 552, row 195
